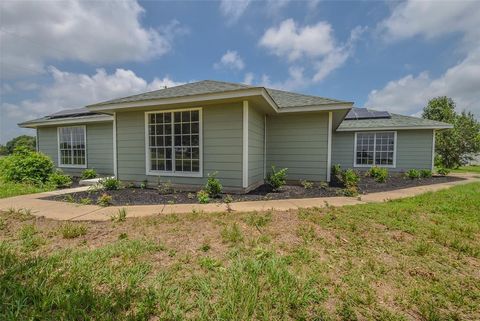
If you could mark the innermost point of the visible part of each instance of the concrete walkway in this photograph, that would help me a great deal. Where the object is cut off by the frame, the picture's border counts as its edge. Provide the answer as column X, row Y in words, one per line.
column 75, row 212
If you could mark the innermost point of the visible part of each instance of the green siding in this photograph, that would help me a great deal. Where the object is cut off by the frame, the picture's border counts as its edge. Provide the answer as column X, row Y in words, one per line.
column 414, row 149
column 99, row 147
column 298, row 142
column 222, row 147
column 256, row 141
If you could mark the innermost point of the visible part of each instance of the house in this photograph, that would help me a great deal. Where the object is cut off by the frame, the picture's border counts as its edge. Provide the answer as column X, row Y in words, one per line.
column 185, row 132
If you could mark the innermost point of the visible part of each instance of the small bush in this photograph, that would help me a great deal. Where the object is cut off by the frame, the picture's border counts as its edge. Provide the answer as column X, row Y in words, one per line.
column 425, row 173
column 350, row 191
column 165, row 188
column 412, row 174
column 89, row 174
column 443, row 171
column 26, row 166
column 202, row 197
column 59, row 179
column 71, row 230
column 336, row 175
column 277, row 179
column 213, row 186
column 350, row 178
column 379, row 174
column 110, row 183
column 121, row 216
column 104, row 200
column 85, row 201
column 306, row 184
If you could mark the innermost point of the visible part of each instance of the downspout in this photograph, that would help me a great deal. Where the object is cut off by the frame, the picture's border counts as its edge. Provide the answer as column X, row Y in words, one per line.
column 329, row 146
column 115, row 170
column 245, row 145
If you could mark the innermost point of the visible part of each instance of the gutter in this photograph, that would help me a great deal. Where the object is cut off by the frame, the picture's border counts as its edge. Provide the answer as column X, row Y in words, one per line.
column 355, row 129
column 66, row 120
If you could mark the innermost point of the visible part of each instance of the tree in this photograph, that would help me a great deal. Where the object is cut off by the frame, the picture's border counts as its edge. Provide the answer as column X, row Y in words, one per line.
column 3, row 150
column 23, row 140
column 454, row 147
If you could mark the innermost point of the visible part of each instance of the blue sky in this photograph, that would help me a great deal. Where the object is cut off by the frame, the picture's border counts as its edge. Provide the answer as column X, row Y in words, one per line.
column 385, row 55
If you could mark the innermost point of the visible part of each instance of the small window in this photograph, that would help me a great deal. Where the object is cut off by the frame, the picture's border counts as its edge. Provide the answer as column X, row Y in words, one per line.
column 375, row 149
column 174, row 142
column 72, row 146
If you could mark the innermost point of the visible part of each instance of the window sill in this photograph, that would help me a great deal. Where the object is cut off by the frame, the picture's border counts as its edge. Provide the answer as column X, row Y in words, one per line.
column 174, row 174
column 367, row 166
column 72, row 166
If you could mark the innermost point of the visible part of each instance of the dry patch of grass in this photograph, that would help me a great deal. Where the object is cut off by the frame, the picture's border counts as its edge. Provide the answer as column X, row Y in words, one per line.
column 417, row 258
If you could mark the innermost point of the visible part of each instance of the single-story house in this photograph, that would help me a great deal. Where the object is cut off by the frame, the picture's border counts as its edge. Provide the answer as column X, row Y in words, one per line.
column 183, row 133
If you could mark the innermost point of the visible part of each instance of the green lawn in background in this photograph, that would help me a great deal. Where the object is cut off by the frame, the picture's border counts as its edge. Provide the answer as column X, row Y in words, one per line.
column 14, row 189
column 468, row 169
column 410, row 259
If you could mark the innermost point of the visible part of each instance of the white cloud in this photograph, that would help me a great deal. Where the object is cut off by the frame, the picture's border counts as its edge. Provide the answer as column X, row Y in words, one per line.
column 72, row 90
column 248, row 79
column 433, row 20
column 233, row 9
column 410, row 94
column 98, row 32
column 295, row 80
column 230, row 60
column 294, row 42
column 315, row 43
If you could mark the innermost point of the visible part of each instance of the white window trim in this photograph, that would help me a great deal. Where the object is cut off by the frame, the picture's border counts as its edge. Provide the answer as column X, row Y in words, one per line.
column 148, row 171
column 58, row 148
column 374, row 150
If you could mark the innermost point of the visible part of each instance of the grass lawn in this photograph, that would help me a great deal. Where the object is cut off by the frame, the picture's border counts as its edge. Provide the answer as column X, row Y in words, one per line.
column 14, row 189
column 468, row 169
column 416, row 258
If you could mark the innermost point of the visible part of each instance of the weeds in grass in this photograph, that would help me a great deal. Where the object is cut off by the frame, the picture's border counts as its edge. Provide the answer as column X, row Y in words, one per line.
column 258, row 220
column 232, row 234
column 123, row 236
column 121, row 215
column 205, row 247
column 29, row 238
column 209, row 263
column 307, row 233
column 21, row 214
column 170, row 218
column 71, row 230
column 69, row 198
column 3, row 223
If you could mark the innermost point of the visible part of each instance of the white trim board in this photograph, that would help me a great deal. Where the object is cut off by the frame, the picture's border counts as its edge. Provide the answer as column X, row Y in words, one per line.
column 355, row 165
column 60, row 165
column 390, row 128
column 75, row 120
column 329, row 146
column 245, row 145
column 172, row 173
column 115, row 164
column 433, row 150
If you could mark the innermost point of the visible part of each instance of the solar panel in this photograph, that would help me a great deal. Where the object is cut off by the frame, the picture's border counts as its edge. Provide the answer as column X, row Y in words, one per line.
column 71, row 113
column 364, row 113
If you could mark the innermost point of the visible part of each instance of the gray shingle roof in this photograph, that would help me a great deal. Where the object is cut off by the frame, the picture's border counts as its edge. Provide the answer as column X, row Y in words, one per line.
column 281, row 98
column 66, row 113
column 395, row 121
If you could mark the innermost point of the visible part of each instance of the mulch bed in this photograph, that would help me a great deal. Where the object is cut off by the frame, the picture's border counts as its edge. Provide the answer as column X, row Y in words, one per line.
column 147, row 196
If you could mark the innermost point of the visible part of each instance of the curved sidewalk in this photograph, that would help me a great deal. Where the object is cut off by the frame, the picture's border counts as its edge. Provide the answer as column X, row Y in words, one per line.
column 75, row 212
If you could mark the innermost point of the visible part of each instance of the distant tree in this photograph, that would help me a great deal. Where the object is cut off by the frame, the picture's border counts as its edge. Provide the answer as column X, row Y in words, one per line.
column 454, row 147
column 23, row 140
column 3, row 150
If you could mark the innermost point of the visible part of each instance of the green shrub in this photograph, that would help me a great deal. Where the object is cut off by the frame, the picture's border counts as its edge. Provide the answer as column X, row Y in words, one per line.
column 350, row 178
column 443, row 171
column 213, row 186
column 104, row 200
column 425, row 173
column 26, row 166
column 110, row 183
column 71, row 230
column 379, row 174
column 202, row 197
column 89, row 174
column 306, row 184
column 412, row 173
column 277, row 179
column 59, row 179
column 336, row 175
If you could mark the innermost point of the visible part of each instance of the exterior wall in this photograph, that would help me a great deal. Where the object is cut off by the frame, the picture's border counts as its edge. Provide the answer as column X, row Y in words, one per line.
column 299, row 142
column 222, row 147
column 414, row 149
column 99, row 147
column 256, row 142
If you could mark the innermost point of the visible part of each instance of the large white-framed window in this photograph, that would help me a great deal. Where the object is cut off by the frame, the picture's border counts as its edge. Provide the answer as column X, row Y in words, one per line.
column 375, row 149
column 173, row 140
column 72, row 146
